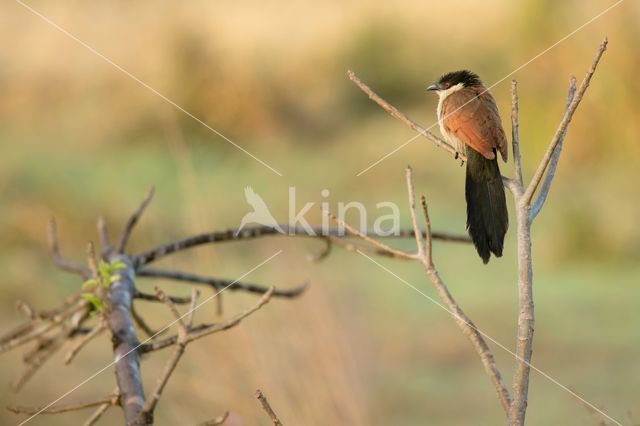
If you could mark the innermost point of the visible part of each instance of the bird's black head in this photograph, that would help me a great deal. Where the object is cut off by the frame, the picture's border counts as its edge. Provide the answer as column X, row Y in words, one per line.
column 465, row 78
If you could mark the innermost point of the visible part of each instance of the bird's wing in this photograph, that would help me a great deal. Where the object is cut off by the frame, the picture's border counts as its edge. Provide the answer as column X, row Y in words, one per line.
column 474, row 119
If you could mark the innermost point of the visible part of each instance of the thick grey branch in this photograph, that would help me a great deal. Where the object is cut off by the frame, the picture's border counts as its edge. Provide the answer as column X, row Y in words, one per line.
column 125, row 342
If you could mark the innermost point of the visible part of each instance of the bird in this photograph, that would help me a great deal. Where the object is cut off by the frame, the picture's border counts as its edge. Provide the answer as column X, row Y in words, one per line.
column 260, row 213
column 469, row 119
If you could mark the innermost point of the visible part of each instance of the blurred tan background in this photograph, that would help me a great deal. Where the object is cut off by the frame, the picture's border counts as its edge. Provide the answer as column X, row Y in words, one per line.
column 78, row 139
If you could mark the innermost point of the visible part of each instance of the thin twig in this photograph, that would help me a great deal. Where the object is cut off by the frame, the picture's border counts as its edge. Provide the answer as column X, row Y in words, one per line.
column 414, row 216
column 56, row 409
column 103, row 233
column 354, row 247
column 154, row 298
column 515, row 134
column 382, row 246
column 58, row 259
column 124, row 238
column 202, row 330
column 403, row 117
column 215, row 422
column 216, row 283
column 428, row 254
column 562, row 127
column 172, row 362
column 142, row 323
column 91, row 259
column 192, row 307
column 267, row 408
column 82, row 341
column 553, row 164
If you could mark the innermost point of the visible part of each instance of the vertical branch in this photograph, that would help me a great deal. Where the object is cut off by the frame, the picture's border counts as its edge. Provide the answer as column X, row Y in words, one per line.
column 412, row 209
column 515, row 133
column 526, row 317
column 467, row 326
column 126, row 233
column 103, row 233
column 125, row 342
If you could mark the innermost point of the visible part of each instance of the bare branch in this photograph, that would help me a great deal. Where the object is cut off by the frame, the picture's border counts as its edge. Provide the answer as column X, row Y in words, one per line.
column 103, row 233
column 125, row 341
column 91, row 259
column 39, row 357
column 82, row 341
column 58, row 259
column 381, row 246
column 170, row 366
column 352, row 246
column 216, row 283
column 217, row 421
column 464, row 322
column 251, row 232
column 414, row 216
column 202, row 330
column 562, row 127
column 124, row 238
column 428, row 255
column 154, row 298
column 192, row 307
column 267, row 408
column 57, row 409
column 404, row 118
column 515, row 135
column 103, row 409
column 553, row 164
column 140, row 322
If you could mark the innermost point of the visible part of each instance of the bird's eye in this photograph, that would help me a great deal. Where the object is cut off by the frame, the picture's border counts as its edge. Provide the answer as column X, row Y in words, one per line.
column 446, row 85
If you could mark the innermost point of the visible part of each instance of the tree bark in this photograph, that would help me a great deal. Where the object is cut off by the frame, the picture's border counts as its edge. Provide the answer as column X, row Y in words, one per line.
column 125, row 343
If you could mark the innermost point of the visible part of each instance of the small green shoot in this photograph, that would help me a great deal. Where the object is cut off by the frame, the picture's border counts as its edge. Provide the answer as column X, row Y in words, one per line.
column 106, row 276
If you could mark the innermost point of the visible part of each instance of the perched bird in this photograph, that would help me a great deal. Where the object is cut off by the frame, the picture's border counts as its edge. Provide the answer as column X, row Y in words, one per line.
column 469, row 120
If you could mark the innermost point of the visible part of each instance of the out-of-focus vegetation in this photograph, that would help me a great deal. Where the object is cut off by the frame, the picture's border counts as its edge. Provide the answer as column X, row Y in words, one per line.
column 79, row 138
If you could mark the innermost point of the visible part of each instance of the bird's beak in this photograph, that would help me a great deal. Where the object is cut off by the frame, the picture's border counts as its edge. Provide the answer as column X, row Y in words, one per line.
column 434, row 86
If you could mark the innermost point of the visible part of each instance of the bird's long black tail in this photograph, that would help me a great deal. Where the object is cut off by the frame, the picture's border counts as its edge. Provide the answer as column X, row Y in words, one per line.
column 487, row 216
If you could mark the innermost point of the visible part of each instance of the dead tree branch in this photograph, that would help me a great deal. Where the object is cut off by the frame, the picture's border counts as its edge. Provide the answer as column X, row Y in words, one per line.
column 58, row 259
column 249, row 233
column 216, row 283
column 267, row 408
column 131, row 223
column 403, row 117
column 110, row 400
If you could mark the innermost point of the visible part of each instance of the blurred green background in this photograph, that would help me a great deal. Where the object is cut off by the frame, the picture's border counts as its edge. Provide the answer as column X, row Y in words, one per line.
column 79, row 139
